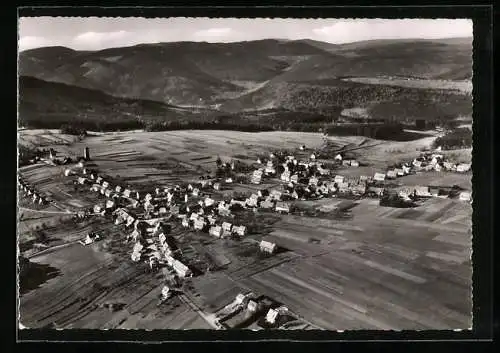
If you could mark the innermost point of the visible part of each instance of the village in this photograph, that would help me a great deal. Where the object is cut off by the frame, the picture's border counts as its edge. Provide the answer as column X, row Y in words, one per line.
column 210, row 206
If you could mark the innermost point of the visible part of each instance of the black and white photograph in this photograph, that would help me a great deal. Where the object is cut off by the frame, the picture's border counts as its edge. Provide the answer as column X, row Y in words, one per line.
column 244, row 173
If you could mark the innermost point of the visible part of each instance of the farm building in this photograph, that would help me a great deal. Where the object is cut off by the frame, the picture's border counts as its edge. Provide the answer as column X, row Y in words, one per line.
column 271, row 316
column 354, row 163
column 463, row 168
column 282, row 207
column 379, row 177
column 181, row 269
column 216, row 231
column 256, row 178
column 267, row 247
column 465, row 196
column 252, row 306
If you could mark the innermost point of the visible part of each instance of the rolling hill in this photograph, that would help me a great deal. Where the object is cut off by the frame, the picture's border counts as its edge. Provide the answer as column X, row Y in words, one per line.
column 49, row 104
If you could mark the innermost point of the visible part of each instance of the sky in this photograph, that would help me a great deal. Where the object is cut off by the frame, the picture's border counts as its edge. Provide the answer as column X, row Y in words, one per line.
column 95, row 33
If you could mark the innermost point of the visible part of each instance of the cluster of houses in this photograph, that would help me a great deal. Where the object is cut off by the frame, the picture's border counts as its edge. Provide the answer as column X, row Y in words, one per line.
column 429, row 161
column 30, row 192
column 431, row 191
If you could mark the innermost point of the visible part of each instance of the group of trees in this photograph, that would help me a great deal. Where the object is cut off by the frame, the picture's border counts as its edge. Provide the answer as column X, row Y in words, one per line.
column 456, row 138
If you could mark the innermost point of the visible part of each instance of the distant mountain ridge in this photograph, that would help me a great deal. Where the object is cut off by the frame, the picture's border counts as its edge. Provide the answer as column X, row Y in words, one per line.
column 168, row 79
column 188, row 73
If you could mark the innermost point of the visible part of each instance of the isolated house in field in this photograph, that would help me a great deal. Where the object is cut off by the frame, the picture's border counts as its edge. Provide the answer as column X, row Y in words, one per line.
column 267, row 247
column 282, row 207
column 465, row 196
column 379, row 177
column 240, row 230
column 463, row 168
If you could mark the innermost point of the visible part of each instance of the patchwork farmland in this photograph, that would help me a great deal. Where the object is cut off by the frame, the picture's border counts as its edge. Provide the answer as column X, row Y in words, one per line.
column 375, row 268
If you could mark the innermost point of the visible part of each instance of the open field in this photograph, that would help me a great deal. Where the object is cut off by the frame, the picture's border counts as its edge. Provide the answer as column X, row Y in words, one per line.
column 381, row 268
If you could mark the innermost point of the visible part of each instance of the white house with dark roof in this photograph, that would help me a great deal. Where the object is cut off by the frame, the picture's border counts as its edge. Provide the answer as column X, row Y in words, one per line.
column 267, row 247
